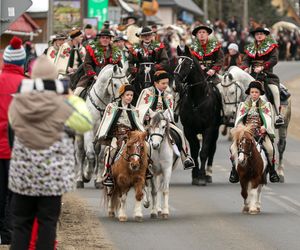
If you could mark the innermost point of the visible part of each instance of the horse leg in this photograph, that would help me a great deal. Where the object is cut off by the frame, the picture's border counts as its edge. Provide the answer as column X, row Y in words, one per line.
column 165, row 190
column 90, row 155
column 138, row 215
column 195, row 147
column 111, row 212
column 253, row 197
column 98, row 168
column 282, row 132
column 244, row 193
column 122, row 209
column 79, row 157
column 154, row 191
column 258, row 201
column 147, row 190
column 211, row 154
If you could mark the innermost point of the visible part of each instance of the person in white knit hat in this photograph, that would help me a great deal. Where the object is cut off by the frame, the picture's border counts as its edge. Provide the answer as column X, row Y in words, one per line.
column 233, row 57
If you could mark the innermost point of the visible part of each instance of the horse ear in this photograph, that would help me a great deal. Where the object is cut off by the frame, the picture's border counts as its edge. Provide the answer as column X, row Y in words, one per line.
column 120, row 64
column 167, row 115
column 230, row 76
column 115, row 68
column 139, row 56
column 151, row 113
column 179, row 51
column 187, row 50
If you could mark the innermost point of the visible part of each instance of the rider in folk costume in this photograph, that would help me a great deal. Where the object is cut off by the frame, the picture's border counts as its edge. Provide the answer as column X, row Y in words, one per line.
column 262, row 56
column 254, row 111
column 156, row 99
column 208, row 51
column 119, row 118
column 98, row 54
column 71, row 54
column 120, row 42
column 146, row 48
column 52, row 52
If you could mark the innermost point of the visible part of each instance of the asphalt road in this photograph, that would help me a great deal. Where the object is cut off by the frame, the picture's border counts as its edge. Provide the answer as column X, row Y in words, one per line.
column 210, row 217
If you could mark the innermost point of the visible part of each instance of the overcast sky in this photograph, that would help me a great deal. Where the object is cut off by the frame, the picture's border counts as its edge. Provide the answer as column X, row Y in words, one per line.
column 39, row 5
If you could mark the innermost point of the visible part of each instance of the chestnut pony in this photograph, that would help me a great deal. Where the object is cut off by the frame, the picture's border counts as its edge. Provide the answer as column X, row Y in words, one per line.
column 250, row 163
column 129, row 170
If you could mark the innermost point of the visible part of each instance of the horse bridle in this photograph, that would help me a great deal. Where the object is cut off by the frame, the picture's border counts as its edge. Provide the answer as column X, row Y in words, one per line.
column 137, row 145
column 178, row 67
column 242, row 150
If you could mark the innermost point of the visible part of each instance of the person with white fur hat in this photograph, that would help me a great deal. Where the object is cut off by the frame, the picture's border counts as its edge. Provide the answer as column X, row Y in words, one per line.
column 233, row 57
column 42, row 166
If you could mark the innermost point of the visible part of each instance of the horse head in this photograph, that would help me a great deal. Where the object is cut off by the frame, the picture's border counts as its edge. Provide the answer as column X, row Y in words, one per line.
column 136, row 150
column 116, row 77
column 232, row 94
column 244, row 139
column 159, row 126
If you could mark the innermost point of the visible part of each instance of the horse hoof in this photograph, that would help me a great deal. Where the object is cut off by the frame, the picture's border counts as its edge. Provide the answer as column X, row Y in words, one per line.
column 196, row 182
column 146, row 204
column 153, row 216
column 122, row 218
column 85, row 180
column 79, row 184
column 138, row 218
column 159, row 213
column 253, row 211
column 281, row 178
column 111, row 214
column 208, row 179
column 245, row 210
column 165, row 216
column 98, row 185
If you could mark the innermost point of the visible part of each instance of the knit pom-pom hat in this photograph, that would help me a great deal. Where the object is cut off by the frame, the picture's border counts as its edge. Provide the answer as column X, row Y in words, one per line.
column 15, row 53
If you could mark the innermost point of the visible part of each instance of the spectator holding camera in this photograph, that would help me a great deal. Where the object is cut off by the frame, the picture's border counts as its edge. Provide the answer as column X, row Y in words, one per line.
column 42, row 164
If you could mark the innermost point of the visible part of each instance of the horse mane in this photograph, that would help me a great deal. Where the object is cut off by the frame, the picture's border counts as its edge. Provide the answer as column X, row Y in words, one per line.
column 239, row 131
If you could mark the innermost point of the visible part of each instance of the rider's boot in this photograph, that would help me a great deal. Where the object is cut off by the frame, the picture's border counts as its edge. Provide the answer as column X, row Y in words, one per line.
column 108, row 180
column 234, row 177
column 273, row 174
column 187, row 160
column 279, row 121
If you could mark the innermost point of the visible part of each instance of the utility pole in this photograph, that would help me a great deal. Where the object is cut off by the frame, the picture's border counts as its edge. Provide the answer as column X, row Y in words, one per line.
column 245, row 17
column 205, row 10
column 50, row 20
column 220, row 9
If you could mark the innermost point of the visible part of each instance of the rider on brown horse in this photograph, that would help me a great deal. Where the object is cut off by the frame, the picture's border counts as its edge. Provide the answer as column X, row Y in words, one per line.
column 119, row 118
column 262, row 56
column 257, row 113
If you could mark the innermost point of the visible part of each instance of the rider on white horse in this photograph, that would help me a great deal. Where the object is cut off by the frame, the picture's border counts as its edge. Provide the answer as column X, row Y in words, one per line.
column 156, row 99
column 262, row 56
column 257, row 113
column 119, row 118
column 99, row 54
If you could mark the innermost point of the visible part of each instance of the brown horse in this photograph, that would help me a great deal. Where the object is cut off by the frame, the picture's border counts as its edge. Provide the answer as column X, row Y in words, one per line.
column 251, row 162
column 129, row 170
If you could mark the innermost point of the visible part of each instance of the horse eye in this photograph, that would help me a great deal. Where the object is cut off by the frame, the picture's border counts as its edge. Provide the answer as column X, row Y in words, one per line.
column 115, row 85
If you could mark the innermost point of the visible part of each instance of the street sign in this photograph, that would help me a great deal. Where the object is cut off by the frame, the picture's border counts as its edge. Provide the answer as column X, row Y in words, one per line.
column 99, row 9
column 10, row 10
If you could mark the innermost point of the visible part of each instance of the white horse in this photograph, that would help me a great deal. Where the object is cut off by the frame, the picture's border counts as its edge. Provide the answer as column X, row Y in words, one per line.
column 164, row 160
column 102, row 92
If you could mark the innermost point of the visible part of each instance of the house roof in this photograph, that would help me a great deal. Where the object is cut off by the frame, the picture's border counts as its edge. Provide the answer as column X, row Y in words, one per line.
column 187, row 5
column 24, row 24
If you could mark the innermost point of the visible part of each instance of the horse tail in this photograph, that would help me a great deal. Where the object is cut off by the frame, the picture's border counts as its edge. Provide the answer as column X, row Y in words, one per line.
column 115, row 198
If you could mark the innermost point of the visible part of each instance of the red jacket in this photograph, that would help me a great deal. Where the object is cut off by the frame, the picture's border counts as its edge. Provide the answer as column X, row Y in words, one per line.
column 10, row 79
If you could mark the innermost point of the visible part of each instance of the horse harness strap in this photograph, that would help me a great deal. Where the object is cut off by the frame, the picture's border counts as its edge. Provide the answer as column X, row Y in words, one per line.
column 94, row 103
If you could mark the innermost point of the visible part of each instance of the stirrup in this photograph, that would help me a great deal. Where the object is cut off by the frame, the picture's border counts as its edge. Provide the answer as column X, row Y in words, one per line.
column 279, row 121
column 108, row 181
column 188, row 163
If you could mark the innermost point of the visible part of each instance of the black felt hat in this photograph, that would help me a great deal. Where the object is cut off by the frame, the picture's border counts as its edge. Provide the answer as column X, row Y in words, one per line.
column 145, row 31
column 257, row 85
column 266, row 31
column 202, row 27
column 105, row 32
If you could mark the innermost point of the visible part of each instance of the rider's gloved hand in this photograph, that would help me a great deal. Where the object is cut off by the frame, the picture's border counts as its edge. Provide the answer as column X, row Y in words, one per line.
column 203, row 67
column 262, row 130
column 95, row 77
column 247, row 70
